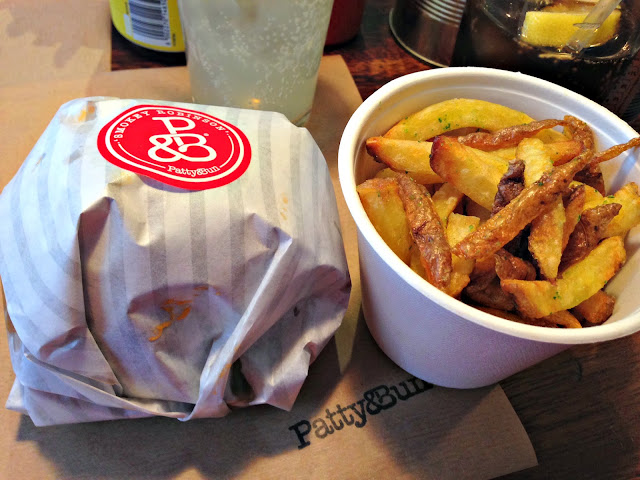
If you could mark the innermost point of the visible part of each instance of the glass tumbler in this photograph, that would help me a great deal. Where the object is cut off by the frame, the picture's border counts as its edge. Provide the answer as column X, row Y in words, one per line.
column 256, row 54
column 518, row 35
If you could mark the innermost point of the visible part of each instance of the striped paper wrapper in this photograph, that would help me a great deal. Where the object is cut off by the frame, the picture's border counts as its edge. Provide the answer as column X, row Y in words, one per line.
column 129, row 297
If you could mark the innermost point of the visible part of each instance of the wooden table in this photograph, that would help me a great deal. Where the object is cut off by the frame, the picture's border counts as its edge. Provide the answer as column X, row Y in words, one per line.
column 580, row 408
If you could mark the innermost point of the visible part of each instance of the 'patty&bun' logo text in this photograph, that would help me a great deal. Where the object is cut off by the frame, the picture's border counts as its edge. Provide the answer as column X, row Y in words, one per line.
column 177, row 146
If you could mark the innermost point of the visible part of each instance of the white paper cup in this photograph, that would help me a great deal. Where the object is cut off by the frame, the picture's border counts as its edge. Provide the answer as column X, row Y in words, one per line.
column 431, row 335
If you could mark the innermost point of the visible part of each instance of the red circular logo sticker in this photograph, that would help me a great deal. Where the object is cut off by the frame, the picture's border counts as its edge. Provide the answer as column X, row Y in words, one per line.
column 180, row 147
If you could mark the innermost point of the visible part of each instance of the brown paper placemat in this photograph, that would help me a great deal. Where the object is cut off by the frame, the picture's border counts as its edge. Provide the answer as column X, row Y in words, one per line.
column 358, row 415
column 49, row 39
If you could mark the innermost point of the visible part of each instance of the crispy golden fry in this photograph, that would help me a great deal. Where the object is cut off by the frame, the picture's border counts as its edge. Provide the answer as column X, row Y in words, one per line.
column 475, row 209
column 484, row 271
column 389, row 173
column 501, row 313
column 386, row 173
column 537, row 162
column 457, row 113
column 492, row 296
column 592, row 197
column 559, row 151
column 573, row 207
column 382, row 202
column 592, row 175
column 404, row 156
column 474, row 173
column 510, row 267
column 458, row 227
column 596, row 309
column 580, row 131
column 445, row 200
column 415, row 262
column 541, row 298
column 510, row 186
column 458, row 282
column 629, row 215
column 547, row 229
column 507, row 154
column 562, row 152
column 545, row 239
column 564, row 318
column 514, row 317
column 588, row 232
column 534, row 200
column 506, row 137
column 484, row 286
column 427, row 232
column 616, row 150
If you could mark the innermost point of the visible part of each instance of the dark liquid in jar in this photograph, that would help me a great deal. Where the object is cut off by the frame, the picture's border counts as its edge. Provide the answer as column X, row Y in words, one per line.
column 482, row 41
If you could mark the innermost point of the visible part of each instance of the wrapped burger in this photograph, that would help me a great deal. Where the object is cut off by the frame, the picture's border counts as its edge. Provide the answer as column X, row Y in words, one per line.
column 167, row 259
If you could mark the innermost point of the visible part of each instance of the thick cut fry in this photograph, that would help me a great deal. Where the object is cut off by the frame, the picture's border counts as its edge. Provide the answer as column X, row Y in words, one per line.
column 492, row 296
column 506, row 137
column 596, row 309
column 415, row 262
column 404, row 156
column 474, row 173
column 502, row 314
column 580, row 131
column 592, row 197
column 559, row 152
column 564, row 319
column 484, row 286
column 386, row 173
column 445, row 200
column 616, row 150
column 629, row 215
column 484, row 271
column 532, row 152
column 458, row 227
column 510, row 267
column 562, row 152
column 382, row 202
column 588, row 232
column 573, row 207
column 426, row 231
column 507, row 153
column 510, row 186
column 547, row 229
column 389, row 173
column 592, row 175
column 545, row 239
column 453, row 114
column 541, row 298
column 534, row 200
column 514, row 317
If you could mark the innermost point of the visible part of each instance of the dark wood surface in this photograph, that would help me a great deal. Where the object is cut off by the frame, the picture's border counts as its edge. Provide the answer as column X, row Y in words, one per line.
column 580, row 408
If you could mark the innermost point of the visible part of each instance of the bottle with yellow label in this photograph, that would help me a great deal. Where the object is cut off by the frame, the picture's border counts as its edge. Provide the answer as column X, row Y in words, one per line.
column 153, row 24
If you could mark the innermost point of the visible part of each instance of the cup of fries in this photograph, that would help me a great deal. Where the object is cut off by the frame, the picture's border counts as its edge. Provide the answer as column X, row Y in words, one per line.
column 496, row 217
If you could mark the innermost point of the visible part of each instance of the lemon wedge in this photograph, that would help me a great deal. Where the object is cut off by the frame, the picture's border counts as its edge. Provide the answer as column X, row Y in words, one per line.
column 555, row 29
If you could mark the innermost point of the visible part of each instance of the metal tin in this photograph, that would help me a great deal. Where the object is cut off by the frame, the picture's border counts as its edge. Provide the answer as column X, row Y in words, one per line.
column 427, row 28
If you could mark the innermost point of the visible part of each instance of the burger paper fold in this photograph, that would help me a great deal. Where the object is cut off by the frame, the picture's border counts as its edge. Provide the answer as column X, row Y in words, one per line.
column 128, row 297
